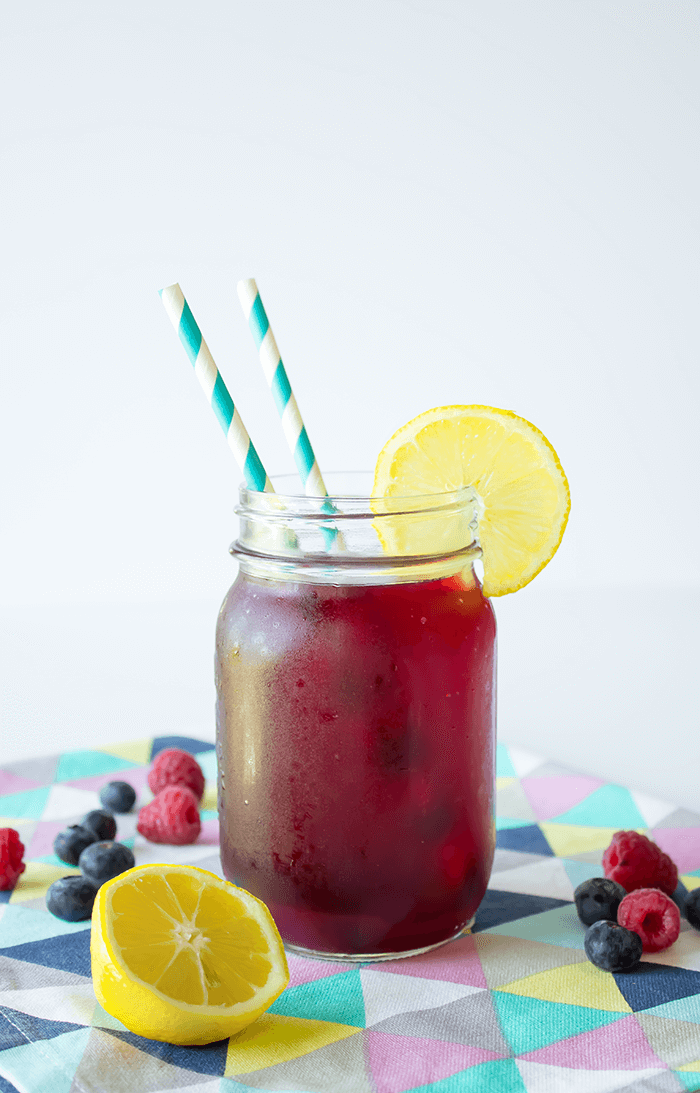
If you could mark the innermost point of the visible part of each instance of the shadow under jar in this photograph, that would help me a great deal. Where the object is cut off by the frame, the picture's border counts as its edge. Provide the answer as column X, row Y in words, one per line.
column 356, row 719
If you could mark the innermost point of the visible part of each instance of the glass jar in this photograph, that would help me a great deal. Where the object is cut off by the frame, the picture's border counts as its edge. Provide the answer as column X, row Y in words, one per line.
column 356, row 719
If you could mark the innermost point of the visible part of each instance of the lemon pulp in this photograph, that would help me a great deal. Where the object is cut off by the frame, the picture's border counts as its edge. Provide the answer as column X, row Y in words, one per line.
column 180, row 955
column 522, row 491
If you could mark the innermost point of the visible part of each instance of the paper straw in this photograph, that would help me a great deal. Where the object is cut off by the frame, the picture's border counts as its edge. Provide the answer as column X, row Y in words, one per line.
column 215, row 389
column 292, row 424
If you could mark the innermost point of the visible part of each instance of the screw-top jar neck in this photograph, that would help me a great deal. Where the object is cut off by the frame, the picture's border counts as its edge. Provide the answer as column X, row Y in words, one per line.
column 351, row 537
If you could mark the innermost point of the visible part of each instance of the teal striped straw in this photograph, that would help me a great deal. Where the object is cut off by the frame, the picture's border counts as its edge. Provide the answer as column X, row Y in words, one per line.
column 215, row 389
column 278, row 382
column 276, row 376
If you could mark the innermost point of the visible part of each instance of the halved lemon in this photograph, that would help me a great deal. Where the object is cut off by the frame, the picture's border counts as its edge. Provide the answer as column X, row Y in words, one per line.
column 180, row 955
column 522, row 491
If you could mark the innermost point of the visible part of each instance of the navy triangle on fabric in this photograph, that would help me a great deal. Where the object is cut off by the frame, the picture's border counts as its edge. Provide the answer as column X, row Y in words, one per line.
column 497, row 908
column 185, row 743
column 528, row 840
column 68, row 953
column 207, row 1059
column 5, row 895
column 18, row 1028
column 7, row 1087
column 652, row 984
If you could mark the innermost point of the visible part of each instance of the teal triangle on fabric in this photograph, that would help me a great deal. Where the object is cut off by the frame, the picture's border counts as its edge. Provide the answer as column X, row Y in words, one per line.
column 86, row 764
column 504, row 767
column 208, row 814
column 503, row 823
column 531, row 1023
column 680, row 1009
column 557, row 926
column 608, row 806
column 28, row 805
column 579, row 871
column 690, row 1079
column 335, row 998
column 23, row 924
column 207, row 761
column 499, row 1076
column 48, row 1066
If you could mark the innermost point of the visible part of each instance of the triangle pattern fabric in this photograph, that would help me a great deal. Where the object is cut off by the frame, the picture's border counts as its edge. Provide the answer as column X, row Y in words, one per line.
column 17, row 1028
column 341, row 1064
column 386, row 995
column 513, row 1007
column 338, row 998
column 471, row 1020
column 532, row 1023
column 602, row 1048
column 404, row 1062
column 69, row 952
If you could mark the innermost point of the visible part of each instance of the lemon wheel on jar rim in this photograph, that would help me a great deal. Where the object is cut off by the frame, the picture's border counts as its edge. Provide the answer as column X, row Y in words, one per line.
column 522, row 491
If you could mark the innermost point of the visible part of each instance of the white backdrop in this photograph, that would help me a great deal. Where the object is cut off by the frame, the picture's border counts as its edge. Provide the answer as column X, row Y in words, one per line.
column 442, row 201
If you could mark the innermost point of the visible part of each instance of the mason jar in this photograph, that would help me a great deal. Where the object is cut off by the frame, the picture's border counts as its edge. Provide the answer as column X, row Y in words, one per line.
column 356, row 718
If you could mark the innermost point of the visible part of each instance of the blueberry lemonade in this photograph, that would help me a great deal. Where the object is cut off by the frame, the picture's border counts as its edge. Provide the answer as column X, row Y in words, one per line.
column 355, row 667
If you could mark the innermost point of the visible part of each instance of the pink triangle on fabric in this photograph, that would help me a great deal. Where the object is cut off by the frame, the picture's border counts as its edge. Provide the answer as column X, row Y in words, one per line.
column 457, row 962
column 619, row 1046
column 303, row 969
column 403, row 1062
column 14, row 783
column 550, row 797
column 135, row 776
column 682, row 844
column 41, row 842
column 209, row 835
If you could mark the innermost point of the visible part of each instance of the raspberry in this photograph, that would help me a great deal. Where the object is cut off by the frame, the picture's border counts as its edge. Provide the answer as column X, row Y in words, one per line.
column 653, row 915
column 11, row 853
column 171, row 817
column 174, row 767
column 635, row 862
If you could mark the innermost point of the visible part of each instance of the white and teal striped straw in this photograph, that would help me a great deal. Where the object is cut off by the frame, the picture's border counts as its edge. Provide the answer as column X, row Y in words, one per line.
column 292, row 424
column 215, row 389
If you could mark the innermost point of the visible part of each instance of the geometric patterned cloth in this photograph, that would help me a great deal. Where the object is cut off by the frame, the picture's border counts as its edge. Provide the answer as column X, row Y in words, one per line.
column 512, row 1007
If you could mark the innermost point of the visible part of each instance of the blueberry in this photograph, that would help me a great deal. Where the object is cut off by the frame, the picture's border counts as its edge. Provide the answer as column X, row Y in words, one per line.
column 104, row 860
column 692, row 908
column 71, row 898
column 101, row 822
column 598, row 898
column 69, row 844
column 118, row 796
column 609, row 946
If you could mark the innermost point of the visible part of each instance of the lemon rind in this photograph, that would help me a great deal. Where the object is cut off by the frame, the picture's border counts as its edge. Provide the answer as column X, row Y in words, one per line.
column 493, row 585
column 120, row 971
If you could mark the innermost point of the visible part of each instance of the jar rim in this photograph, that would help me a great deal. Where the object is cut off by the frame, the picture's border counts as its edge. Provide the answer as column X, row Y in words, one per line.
column 350, row 503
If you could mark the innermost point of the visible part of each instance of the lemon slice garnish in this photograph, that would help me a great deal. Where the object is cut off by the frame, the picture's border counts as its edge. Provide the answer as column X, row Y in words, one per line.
column 522, row 491
column 182, row 956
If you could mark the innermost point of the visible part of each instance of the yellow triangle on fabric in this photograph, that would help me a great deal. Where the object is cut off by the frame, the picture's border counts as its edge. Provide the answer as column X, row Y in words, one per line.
column 692, row 1067
column 134, row 751
column 209, row 800
column 276, row 1039
column 501, row 783
column 17, row 822
column 568, row 839
column 690, row 883
column 578, row 984
column 37, row 878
